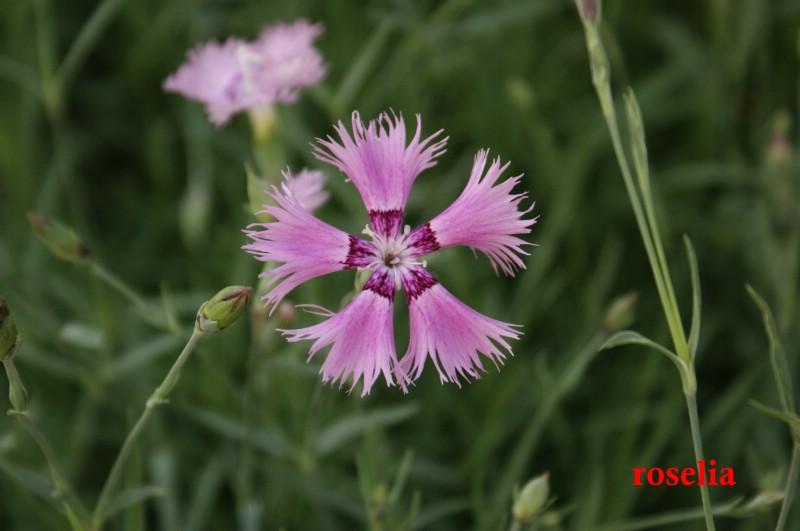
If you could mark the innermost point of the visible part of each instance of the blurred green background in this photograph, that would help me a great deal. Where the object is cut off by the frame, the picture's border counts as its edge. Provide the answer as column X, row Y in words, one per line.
column 251, row 439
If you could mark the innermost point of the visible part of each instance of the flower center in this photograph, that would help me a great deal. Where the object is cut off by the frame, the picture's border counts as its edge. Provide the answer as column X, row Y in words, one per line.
column 248, row 59
column 392, row 253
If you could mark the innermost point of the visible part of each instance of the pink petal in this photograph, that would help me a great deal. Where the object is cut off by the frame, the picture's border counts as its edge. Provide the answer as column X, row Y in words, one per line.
column 362, row 336
column 212, row 74
column 235, row 75
column 289, row 59
column 380, row 164
column 305, row 246
column 308, row 187
column 449, row 331
column 486, row 217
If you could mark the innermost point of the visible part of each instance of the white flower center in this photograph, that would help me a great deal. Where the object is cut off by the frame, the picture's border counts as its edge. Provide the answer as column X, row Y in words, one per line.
column 392, row 253
column 248, row 59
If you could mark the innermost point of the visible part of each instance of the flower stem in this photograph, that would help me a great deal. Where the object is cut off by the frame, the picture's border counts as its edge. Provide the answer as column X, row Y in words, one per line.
column 640, row 196
column 156, row 399
column 154, row 316
column 694, row 421
column 62, row 486
column 790, row 489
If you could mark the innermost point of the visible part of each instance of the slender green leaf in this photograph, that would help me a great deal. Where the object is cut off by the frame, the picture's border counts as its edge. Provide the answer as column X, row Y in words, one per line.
column 141, row 355
column 271, row 442
column 777, row 354
column 694, row 330
column 658, row 521
column 348, row 428
column 629, row 337
column 74, row 522
column 792, row 420
column 205, row 495
column 130, row 497
column 400, row 477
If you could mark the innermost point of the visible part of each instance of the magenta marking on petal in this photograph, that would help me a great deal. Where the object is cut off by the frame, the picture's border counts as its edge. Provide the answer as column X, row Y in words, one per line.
column 487, row 216
column 416, row 281
column 386, row 222
column 359, row 254
column 382, row 283
column 422, row 241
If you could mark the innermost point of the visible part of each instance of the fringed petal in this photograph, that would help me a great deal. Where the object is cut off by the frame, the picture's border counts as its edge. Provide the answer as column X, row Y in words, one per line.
column 449, row 332
column 308, row 187
column 486, row 216
column 233, row 76
column 362, row 336
column 377, row 159
column 213, row 75
column 305, row 246
column 288, row 59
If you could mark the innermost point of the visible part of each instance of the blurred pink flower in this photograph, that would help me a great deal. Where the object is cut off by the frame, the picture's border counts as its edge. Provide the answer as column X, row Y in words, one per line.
column 236, row 75
column 383, row 165
column 307, row 187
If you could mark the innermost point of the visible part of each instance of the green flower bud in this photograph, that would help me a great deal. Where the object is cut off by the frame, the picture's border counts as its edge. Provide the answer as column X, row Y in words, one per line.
column 9, row 339
column 620, row 312
column 17, row 393
column 223, row 309
column 532, row 500
column 590, row 11
column 60, row 239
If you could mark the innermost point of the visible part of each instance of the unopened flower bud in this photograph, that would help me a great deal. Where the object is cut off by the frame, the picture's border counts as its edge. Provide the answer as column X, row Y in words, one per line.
column 532, row 500
column 9, row 345
column 9, row 339
column 17, row 394
column 60, row 239
column 764, row 501
column 223, row 309
column 780, row 178
column 620, row 312
column 286, row 312
column 590, row 10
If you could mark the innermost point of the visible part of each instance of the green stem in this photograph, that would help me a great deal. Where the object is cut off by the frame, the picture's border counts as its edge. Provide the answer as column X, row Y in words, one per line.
column 790, row 489
column 646, row 223
column 641, row 201
column 83, row 43
column 108, row 277
column 156, row 399
column 62, row 485
column 154, row 316
column 694, row 421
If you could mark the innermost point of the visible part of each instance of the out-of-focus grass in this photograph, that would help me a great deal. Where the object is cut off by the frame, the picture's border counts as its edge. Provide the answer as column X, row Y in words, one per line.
column 114, row 156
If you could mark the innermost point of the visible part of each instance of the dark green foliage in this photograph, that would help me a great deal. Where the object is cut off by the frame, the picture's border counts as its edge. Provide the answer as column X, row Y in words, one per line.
column 250, row 434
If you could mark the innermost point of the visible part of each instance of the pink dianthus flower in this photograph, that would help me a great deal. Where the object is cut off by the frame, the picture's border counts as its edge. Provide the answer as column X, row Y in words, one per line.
column 383, row 164
column 236, row 75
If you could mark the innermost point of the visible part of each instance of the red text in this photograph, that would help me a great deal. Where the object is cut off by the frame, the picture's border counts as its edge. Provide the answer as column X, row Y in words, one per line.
column 706, row 474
